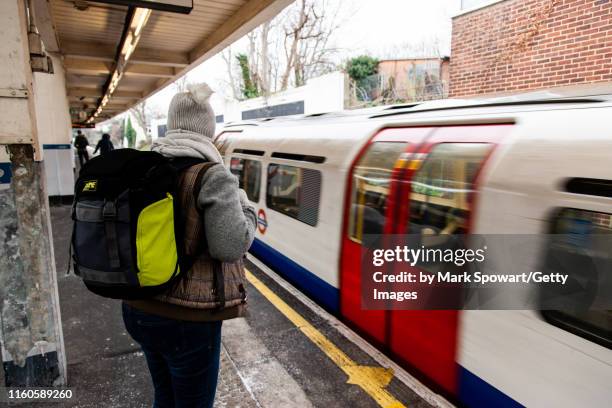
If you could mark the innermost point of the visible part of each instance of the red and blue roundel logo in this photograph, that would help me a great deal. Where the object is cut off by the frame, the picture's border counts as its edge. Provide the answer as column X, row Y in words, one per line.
column 262, row 221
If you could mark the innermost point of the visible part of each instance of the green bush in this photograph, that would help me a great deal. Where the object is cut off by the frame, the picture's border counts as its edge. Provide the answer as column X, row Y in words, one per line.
column 249, row 88
column 361, row 67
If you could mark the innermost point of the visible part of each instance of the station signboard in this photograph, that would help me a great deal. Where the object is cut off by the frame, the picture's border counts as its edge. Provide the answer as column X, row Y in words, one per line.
column 177, row 6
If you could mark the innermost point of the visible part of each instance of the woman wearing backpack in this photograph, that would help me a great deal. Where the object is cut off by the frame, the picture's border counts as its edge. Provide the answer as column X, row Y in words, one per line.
column 180, row 331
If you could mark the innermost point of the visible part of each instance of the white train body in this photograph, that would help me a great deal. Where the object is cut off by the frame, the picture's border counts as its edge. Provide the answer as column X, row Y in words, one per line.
column 510, row 358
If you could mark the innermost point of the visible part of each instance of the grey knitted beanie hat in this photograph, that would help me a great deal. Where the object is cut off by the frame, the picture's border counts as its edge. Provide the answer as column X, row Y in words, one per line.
column 191, row 111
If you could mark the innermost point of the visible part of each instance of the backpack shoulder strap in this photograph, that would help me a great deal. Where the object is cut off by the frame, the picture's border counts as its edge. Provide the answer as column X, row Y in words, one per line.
column 182, row 163
column 192, row 238
column 189, row 186
column 218, row 280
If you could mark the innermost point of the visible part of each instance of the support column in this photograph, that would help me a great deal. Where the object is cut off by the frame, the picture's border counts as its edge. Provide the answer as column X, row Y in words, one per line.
column 30, row 322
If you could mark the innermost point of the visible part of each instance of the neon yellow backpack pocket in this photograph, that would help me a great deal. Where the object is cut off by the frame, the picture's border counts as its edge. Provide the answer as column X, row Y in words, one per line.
column 156, row 244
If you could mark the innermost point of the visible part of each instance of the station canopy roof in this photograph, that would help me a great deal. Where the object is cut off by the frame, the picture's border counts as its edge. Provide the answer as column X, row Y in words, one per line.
column 117, row 55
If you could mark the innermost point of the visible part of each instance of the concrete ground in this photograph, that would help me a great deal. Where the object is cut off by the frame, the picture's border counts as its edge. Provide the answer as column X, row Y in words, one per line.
column 267, row 359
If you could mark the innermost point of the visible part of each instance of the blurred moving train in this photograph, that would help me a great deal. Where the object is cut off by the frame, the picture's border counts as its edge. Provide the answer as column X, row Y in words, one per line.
column 514, row 165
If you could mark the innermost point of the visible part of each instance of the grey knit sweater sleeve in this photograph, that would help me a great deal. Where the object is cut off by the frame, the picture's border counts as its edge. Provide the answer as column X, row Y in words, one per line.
column 229, row 219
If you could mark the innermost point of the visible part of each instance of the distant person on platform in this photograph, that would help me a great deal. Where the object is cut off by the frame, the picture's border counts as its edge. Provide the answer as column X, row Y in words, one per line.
column 81, row 143
column 104, row 145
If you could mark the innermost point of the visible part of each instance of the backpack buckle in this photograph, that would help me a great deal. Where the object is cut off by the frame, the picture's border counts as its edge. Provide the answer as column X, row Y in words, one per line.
column 109, row 211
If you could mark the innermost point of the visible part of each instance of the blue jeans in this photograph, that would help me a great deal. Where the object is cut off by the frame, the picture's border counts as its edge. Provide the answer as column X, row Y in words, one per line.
column 183, row 357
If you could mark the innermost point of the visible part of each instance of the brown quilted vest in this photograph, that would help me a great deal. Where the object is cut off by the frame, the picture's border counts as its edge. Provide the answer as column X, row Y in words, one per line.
column 209, row 284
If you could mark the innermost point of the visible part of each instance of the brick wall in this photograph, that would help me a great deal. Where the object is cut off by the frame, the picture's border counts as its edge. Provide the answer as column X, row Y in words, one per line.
column 519, row 45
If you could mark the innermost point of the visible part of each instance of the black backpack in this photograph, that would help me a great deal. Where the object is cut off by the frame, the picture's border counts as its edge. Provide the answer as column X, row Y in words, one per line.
column 127, row 239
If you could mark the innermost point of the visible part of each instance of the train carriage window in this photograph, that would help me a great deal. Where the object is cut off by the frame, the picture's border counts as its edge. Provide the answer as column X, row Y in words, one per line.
column 370, row 189
column 589, row 186
column 294, row 191
column 249, row 176
column 580, row 237
column 441, row 189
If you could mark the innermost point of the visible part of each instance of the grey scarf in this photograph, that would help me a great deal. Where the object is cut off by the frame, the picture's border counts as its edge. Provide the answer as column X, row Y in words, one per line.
column 183, row 143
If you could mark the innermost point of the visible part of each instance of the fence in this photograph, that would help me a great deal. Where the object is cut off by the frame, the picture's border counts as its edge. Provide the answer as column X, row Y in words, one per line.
column 412, row 82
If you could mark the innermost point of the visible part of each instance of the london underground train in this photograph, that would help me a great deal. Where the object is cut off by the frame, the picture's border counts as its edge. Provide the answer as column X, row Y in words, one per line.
column 517, row 165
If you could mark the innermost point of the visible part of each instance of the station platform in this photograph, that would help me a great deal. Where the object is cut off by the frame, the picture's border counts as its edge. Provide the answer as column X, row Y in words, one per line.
column 286, row 353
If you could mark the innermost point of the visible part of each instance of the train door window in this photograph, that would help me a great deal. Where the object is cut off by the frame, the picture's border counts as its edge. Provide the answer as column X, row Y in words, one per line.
column 441, row 189
column 580, row 237
column 370, row 188
column 249, row 176
column 294, row 191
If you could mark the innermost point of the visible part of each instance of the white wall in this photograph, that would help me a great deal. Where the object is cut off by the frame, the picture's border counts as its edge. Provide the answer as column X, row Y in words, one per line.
column 325, row 93
column 322, row 94
column 54, row 128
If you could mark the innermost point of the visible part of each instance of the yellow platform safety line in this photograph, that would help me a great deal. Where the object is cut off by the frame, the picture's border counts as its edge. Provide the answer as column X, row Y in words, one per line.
column 372, row 380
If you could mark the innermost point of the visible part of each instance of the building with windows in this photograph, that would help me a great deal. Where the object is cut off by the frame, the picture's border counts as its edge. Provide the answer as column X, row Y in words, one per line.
column 507, row 46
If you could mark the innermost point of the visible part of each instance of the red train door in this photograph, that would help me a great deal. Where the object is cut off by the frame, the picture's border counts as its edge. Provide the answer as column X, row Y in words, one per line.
column 436, row 195
column 370, row 182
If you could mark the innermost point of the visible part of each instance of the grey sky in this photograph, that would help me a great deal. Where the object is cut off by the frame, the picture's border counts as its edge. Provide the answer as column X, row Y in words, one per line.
column 382, row 28
column 378, row 26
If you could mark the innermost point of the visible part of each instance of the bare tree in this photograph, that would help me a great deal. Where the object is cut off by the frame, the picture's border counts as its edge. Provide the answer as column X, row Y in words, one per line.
column 181, row 84
column 307, row 30
column 289, row 50
column 144, row 113
column 228, row 57
column 263, row 69
column 116, row 129
column 293, row 35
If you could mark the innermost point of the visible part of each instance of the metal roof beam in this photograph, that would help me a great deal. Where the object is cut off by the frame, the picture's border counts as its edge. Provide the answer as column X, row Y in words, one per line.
column 150, row 71
column 84, row 66
column 87, row 66
column 106, row 52
column 97, row 92
column 82, row 100
column 110, row 105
